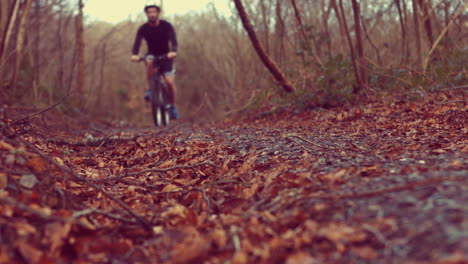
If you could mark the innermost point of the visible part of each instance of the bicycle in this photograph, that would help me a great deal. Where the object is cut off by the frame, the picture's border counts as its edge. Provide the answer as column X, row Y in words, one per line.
column 159, row 96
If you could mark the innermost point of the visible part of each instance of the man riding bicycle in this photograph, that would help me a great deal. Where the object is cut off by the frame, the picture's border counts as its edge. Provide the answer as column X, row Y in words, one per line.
column 161, row 39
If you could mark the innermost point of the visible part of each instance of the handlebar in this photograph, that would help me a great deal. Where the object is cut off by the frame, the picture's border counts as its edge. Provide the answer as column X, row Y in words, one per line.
column 156, row 59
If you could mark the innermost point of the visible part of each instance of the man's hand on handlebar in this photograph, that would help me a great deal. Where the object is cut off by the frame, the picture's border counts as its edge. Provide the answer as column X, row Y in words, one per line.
column 135, row 58
column 171, row 55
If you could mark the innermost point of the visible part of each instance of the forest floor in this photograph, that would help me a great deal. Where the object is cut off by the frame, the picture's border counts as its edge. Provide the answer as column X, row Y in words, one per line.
column 377, row 183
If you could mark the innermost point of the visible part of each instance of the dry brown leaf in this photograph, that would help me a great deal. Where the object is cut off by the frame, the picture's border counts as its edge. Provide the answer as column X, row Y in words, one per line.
column 23, row 228
column 6, row 146
column 249, row 192
column 59, row 161
column 171, row 188
column 240, row 257
column 455, row 258
column 341, row 234
column 37, row 164
column 3, row 181
column 167, row 164
column 365, row 252
column 247, row 166
column 178, row 214
column 300, row 258
column 4, row 258
column 56, row 233
column 219, row 237
column 338, row 176
column 193, row 247
column 30, row 254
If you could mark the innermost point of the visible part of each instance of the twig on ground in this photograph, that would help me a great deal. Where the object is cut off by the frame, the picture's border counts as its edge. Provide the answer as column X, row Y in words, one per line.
column 78, row 179
column 74, row 217
column 297, row 142
column 24, row 207
column 378, row 235
column 119, row 177
column 101, row 212
column 205, row 197
column 45, row 110
column 452, row 102
column 96, row 142
column 409, row 186
column 290, row 137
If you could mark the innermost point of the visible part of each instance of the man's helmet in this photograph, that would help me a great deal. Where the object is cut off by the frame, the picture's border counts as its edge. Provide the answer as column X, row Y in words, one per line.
column 148, row 6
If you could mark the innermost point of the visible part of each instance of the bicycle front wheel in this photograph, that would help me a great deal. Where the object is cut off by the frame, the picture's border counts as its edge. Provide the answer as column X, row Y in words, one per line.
column 160, row 113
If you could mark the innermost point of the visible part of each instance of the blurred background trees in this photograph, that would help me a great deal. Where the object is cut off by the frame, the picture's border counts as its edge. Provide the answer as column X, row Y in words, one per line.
column 332, row 51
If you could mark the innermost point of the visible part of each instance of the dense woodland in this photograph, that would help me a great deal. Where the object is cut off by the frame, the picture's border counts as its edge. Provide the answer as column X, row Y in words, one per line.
column 329, row 50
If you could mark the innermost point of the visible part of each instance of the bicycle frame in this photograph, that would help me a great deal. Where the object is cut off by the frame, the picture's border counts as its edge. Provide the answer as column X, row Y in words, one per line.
column 159, row 95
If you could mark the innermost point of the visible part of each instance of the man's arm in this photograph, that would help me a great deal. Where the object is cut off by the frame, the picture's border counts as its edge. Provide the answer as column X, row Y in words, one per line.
column 136, row 45
column 173, row 39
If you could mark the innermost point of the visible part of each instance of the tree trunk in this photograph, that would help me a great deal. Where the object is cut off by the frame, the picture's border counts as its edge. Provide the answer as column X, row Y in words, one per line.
column 35, row 57
column 350, row 44
column 427, row 21
column 417, row 33
column 20, row 42
column 340, row 25
column 325, row 17
column 267, row 61
column 3, row 17
column 300, row 25
column 266, row 25
column 6, row 35
column 279, row 32
column 404, row 41
column 360, row 47
column 81, row 45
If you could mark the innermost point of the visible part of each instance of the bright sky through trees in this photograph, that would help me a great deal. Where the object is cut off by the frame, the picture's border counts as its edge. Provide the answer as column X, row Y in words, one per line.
column 115, row 11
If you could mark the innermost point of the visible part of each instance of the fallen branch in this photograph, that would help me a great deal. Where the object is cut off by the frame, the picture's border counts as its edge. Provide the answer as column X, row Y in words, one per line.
column 119, row 177
column 43, row 111
column 91, row 211
column 94, row 142
column 23, row 207
column 78, row 179
column 205, row 197
column 290, row 137
column 356, row 195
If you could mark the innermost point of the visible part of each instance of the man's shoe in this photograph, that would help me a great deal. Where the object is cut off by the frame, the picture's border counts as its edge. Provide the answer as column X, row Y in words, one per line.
column 173, row 112
column 148, row 95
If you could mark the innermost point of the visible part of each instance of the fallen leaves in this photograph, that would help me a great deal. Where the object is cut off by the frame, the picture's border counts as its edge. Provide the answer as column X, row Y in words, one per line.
column 56, row 234
column 6, row 146
column 331, row 186
column 37, row 164
column 341, row 235
column 31, row 254
column 3, row 181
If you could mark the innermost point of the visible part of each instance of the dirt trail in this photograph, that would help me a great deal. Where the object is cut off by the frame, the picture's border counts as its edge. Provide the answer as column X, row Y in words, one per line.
column 375, row 184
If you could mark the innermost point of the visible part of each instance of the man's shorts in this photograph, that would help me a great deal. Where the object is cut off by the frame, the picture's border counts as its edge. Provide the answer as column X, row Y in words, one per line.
column 166, row 67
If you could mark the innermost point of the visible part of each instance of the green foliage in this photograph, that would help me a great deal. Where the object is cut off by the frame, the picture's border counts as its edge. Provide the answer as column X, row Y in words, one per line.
column 444, row 71
column 449, row 70
column 337, row 82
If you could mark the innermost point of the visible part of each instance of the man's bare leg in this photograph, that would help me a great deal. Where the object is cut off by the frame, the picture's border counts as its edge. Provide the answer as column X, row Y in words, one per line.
column 149, row 70
column 172, row 89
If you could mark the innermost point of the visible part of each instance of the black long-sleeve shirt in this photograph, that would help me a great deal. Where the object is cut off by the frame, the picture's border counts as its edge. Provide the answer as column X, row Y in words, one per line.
column 157, row 38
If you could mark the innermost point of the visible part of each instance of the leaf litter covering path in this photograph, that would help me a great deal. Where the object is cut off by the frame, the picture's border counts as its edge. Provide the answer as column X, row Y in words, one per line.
column 377, row 184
